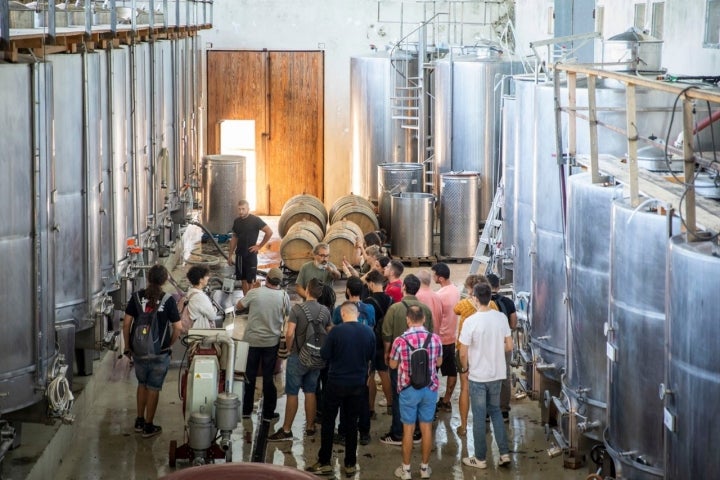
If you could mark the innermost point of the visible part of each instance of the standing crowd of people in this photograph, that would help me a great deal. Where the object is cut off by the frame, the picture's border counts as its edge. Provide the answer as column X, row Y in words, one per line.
column 395, row 327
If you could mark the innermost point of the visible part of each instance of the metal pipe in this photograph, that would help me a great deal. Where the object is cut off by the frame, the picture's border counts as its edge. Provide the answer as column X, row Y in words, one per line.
column 193, row 222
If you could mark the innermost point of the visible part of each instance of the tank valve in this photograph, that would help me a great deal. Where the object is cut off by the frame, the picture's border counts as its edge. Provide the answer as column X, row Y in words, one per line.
column 587, row 426
column 663, row 391
column 542, row 367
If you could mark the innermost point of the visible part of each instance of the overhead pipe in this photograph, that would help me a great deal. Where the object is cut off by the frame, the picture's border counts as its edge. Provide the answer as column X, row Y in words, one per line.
column 702, row 125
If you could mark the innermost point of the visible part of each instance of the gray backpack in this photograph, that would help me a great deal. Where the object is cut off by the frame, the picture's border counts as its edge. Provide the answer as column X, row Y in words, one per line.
column 315, row 336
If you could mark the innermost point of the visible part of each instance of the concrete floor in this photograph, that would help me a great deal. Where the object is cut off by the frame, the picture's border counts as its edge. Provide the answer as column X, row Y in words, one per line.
column 102, row 444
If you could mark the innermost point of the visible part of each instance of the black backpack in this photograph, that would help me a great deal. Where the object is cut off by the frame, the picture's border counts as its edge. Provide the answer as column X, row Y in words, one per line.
column 315, row 336
column 379, row 318
column 146, row 336
column 419, row 362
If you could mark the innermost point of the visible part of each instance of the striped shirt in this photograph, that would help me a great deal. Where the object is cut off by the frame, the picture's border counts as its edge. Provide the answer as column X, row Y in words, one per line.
column 401, row 352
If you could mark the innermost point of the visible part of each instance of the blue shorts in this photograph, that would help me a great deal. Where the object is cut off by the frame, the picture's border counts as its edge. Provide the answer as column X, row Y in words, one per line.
column 417, row 405
column 299, row 376
column 151, row 373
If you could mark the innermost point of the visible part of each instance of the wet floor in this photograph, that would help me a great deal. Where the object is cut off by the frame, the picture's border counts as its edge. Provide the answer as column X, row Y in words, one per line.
column 103, row 445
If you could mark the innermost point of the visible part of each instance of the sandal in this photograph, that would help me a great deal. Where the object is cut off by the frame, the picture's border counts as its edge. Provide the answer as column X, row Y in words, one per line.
column 310, row 432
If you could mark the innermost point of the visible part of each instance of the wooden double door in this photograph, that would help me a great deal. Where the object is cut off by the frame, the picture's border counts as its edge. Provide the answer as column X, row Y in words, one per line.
column 282, row 91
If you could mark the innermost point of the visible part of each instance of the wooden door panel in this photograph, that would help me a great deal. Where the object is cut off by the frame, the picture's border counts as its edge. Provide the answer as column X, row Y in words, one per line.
column 295, row 147
column 283, row 93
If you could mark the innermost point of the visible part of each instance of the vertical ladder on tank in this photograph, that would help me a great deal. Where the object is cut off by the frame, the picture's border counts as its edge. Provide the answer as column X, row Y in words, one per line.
column 491, row 237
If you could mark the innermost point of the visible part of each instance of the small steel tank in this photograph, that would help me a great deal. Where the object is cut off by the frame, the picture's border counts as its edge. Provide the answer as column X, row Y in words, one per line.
column 467, row 112
column 396, row 178
column 377, row 138
column 223, row 187
column 636, row 332
column 459, row 214
column 692, row 384
column 412, row 222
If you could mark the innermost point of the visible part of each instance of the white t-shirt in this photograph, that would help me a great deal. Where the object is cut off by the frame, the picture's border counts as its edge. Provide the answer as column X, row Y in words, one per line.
column 484, row 334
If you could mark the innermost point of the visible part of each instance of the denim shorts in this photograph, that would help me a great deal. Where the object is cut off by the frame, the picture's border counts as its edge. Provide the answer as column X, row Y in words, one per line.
column 299, row 376
column 417, row 405
column 151, row 373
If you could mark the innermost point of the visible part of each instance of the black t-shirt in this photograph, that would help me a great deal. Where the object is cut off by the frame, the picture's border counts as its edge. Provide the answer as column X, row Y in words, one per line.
column 382, row 300
column 504, row 304
column 168, row 314
column 246, row 231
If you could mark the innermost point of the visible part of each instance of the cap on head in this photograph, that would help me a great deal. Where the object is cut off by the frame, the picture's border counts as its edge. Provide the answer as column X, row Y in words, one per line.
column 275, row 276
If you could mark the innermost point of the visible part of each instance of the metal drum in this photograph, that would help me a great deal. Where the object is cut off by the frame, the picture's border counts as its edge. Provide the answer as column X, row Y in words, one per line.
column 636, row 332
column 375, row 80
column 26, row 243
column 412, row 222
column 459, row 215
column 508, row 159
column 223, row 181
column 588, row 238
column 396, row 178
column 467, row 101
column 692, row 384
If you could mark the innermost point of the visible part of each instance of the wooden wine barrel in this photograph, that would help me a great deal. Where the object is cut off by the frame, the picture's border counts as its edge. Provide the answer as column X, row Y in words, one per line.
column 299, row 212
column 360, row 214
column 349, row 199
column 307, row 199
column 342, row 237
column 297, row 246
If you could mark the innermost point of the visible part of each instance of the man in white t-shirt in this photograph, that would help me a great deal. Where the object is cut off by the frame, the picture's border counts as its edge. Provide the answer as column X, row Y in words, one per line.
column 484, row 339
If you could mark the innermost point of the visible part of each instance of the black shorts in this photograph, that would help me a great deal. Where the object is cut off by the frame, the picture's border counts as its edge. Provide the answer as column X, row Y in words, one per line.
column 448, row 367
column 378, row 363
column 246, row 267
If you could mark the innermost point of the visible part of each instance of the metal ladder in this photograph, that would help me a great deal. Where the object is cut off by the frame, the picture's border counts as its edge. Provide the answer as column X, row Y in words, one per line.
column 491, row 236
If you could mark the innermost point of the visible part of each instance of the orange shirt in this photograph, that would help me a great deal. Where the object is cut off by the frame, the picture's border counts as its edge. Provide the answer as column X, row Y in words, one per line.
column 465, row 308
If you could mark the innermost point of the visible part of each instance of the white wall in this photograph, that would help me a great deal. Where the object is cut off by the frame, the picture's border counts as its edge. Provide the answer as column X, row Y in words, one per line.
column 342, row 28
column 683, row 52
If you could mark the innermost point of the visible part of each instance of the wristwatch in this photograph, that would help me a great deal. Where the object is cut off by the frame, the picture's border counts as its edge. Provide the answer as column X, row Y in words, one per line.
column 463, row 370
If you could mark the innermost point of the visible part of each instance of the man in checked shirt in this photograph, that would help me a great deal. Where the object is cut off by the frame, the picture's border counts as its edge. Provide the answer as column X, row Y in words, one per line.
column 416, row 404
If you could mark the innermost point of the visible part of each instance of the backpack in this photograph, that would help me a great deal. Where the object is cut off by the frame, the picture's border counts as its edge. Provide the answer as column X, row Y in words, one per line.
column 309, row 353
column 379, row 318
column 146, row 339
column 185, row 321
column 419, row 362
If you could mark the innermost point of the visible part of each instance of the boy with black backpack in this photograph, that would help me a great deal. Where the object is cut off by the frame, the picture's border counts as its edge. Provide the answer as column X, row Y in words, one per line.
column 416, row 354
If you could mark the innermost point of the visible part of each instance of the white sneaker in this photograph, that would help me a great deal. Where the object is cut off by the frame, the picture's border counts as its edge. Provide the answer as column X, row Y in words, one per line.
column 504, row 460
column 425, row 472
column 474, row 462
column 402, row 474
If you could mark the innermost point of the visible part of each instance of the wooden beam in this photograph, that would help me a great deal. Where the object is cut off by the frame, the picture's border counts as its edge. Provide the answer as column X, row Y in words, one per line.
column 689, row 169
column 632, row 139
column 656, row 186
column 593, row 124
column 572, row 121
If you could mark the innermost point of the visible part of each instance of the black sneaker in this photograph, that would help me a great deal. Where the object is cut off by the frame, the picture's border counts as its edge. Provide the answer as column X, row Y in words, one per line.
column 139, row 424
column 417, row 437
column 280, row 436
column 151, row 430
column 274, row 416
column 365, row 438
column 506, row 416
column 388, row 439
column 320, row 469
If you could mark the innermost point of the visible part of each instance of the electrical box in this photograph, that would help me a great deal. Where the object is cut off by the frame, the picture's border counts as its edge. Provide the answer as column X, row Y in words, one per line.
column 202, row 385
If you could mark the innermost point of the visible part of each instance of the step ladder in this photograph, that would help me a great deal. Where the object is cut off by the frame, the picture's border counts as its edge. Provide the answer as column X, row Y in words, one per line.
column 491, row 237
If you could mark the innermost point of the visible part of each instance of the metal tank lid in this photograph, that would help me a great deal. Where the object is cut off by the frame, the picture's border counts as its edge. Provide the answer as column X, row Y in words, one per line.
column 633, row 34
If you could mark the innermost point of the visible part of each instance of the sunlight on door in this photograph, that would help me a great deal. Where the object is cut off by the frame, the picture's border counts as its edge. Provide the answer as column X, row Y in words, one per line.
column 237, row 137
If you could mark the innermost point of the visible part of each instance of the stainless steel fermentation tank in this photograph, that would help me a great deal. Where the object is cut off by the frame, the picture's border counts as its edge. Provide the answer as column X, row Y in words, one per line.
column 223, row 178
column 636, row 337
column 412, row 222
column 692, row 385
column 581, row 408
column 375, row 80
column 459, row 215
column 27, row 248
column 508, row 159
column 396, row 178
column 467, row 91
